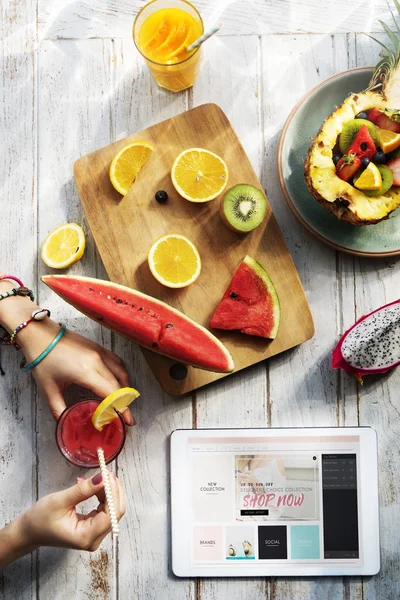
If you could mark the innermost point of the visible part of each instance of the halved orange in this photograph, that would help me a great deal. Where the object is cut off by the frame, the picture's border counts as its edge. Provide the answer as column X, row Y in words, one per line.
column 127, row 163
column 199, row 175
column 388, row 140
column 174, row 261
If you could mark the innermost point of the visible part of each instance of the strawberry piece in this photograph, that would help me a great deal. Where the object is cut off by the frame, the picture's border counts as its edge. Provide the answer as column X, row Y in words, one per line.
column 384, row 122
column 348, row 166
column 373, row 114
column 394, row 165
column 363, row 144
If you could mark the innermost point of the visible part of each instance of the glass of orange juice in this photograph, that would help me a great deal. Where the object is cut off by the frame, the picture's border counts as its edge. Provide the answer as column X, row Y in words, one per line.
column 162, row 31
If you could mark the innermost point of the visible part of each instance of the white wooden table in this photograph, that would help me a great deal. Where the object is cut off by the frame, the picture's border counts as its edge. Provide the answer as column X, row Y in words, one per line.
column 73, row 82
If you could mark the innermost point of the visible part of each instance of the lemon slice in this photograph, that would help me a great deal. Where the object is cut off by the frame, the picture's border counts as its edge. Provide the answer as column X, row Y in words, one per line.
column 127, row 163
column 118, row 400
column 174, row 261
column 64, row 246
column 388, row 140
column 370, row 179
column 199, row 175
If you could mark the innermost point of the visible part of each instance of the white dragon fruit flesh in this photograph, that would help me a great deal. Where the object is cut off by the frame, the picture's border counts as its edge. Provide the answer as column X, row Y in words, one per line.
column 372, row 344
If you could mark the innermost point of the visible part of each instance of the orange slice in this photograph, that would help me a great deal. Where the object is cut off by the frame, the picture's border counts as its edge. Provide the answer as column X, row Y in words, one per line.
column 199, row 175
column 370, row 179
column 174, row 261
column 388, row 140
column 127, row 163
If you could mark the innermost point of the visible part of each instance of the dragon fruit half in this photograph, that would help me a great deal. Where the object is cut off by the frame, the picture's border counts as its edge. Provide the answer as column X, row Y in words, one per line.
column 372, row 344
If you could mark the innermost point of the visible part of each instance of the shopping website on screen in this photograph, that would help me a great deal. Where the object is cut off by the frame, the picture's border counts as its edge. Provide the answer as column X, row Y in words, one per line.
column 281, row 499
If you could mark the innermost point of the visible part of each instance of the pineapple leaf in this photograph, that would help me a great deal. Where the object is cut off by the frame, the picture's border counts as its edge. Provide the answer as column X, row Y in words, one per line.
column 392, row 36
column 397, row 5
column 394, row 19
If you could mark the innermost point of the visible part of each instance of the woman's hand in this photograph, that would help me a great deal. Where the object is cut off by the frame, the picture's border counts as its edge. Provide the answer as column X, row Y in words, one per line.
column 54, row 521
column 75, row 359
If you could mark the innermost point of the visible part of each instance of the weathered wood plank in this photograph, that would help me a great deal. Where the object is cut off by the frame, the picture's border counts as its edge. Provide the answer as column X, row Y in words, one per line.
column 18, row 210
column 73, row 118
column 376, row 284
column 144, row 545
column 229, row 77
column 302, row 385
column 83, row 19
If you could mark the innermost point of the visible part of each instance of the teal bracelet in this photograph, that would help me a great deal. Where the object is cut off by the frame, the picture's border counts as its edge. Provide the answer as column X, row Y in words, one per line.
column 45, row 352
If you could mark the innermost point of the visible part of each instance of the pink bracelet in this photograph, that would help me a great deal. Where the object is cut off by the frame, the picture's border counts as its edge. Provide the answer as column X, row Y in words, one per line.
column 12, row 279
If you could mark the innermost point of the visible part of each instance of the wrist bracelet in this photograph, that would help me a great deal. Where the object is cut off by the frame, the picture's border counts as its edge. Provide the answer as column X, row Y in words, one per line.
column 37, row 315
column 16, row 279
column 45, row 352
column 21, row 291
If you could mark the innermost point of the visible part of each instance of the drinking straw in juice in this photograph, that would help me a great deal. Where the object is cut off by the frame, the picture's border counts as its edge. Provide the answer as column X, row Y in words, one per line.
column 78, row 439
column 162, row 31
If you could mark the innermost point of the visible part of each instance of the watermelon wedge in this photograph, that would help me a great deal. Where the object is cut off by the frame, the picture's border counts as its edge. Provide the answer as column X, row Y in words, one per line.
column 250, row 303
column 144, row 320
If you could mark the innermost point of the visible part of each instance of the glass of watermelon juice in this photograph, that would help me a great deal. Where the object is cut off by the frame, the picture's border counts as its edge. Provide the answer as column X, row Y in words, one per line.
column 78, row 439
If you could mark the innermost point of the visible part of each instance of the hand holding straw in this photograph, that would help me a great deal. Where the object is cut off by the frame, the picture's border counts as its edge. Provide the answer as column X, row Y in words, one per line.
column 203, row 38
column 108, row 492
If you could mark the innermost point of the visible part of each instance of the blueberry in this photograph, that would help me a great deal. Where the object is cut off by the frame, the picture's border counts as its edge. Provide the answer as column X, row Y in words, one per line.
column 336, row 158
column 161, row 196
column 365, row 162
column 362, row 115
column 379, row 158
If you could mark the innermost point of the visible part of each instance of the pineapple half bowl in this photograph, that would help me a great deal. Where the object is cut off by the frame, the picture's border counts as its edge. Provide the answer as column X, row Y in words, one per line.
column 340, row 197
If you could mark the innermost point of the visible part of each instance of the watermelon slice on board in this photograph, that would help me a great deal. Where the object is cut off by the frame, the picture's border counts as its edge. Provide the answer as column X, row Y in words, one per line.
column 143, row 319
column 250, row 303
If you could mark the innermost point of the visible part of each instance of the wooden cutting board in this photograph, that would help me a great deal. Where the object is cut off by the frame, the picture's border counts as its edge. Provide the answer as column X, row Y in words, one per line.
column 124, row 228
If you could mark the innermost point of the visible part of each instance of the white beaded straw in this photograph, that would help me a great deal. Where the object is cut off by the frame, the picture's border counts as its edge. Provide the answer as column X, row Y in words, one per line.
column 107, row 489
column 203, row 37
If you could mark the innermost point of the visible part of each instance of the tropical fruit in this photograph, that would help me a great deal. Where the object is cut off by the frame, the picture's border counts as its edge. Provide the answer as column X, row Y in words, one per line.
column 378, row 104
column 199, row 175
column 250, row 303
column 372, row 344
column 127, row 163
column 357, row 132
column 145, row 320
column 174, row 261
column 243, row 207
column 63, row 246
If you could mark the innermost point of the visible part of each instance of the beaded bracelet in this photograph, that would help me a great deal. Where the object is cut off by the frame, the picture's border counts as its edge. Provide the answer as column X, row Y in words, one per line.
column 21, row 291
column 45, row 352
column 37, row 315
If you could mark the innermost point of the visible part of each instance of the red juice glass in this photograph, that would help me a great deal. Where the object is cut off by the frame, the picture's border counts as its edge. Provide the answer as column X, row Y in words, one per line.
column 78, row 439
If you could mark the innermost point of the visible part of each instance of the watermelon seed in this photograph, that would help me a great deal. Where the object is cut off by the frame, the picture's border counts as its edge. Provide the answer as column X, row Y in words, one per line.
column 168, row 325
column 233, row 295
column 126, row 302
column 91, row 289
column 141, row 308
column 178, row 371
column 119, row 301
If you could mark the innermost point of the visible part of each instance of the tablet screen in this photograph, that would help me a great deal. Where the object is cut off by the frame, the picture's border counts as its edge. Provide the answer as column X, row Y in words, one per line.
column 283, row 499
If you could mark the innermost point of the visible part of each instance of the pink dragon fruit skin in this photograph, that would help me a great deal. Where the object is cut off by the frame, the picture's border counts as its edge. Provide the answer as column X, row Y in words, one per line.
column 372, row 344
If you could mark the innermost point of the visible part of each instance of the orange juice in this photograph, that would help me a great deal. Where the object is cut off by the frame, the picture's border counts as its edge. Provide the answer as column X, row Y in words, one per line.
column 162, row 32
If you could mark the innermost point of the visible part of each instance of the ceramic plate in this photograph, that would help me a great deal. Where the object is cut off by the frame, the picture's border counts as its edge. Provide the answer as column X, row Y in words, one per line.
column 303, row 123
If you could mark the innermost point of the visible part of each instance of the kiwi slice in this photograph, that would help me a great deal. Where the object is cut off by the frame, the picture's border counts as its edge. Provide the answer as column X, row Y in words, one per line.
column 350, row 130
column 243, row 207
column 387, row 182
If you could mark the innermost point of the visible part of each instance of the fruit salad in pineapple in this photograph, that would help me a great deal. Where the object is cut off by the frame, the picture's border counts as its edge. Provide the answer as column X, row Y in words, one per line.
column 353, row 165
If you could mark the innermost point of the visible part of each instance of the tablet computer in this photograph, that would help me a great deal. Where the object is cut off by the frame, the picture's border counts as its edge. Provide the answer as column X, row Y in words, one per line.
column 298, row 501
